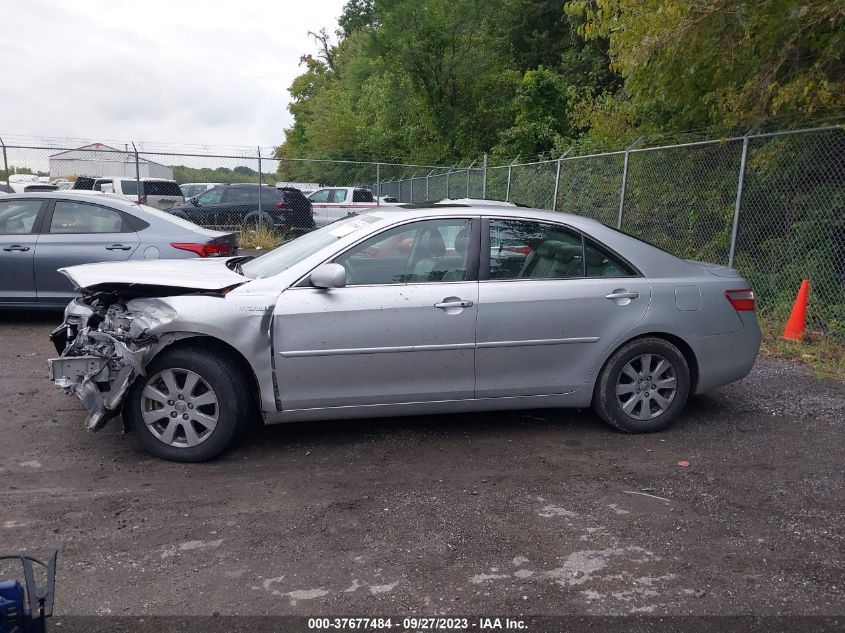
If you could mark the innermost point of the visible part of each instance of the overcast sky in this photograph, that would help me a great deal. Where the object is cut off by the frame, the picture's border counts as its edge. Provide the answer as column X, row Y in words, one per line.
column 177, row 71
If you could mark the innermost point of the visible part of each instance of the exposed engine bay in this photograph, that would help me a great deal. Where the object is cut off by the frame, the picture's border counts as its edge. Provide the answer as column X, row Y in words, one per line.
column 105, row 342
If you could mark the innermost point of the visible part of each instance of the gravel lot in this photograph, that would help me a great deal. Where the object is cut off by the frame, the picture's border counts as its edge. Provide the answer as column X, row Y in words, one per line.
column 546, row 512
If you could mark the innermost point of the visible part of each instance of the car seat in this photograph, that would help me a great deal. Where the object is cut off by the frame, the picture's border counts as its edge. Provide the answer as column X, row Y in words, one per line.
column 431, row 249
column 458, row 272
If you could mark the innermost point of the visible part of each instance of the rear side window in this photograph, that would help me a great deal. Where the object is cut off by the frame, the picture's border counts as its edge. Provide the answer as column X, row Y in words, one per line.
column 17, row 217
column 521, row 249
column 161, row 188
column 80, row 217
column 129, row 187
column 600, row 263
column 242, row 195
column 362, row 195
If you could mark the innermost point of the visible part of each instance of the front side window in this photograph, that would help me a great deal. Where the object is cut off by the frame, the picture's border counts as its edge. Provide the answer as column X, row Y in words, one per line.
column 338, row 196
column 420, row 252
column 80, row 217
column 212, row 196
column 522, row 249
column 18, row 217
column 321, row 195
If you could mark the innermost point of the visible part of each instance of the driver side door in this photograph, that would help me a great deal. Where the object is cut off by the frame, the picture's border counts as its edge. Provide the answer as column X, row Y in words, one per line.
column 401, row 331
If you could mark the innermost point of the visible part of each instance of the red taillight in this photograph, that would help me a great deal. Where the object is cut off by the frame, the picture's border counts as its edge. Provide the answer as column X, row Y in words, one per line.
column 204, row 250
column 282, row 206
column 742, row 300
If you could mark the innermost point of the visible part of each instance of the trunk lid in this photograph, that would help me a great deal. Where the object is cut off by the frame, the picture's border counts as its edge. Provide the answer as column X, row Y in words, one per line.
column 719, row 270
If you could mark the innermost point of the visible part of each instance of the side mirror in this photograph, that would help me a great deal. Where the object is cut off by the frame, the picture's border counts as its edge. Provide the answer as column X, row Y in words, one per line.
column 329, row 276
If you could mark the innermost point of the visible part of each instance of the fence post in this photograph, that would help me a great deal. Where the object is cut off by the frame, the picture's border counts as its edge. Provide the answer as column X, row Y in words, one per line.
column 378, row 184
column 137, row 172
column 260, row 185
column 448, row 171
column 735, row 227
column 427, row 178
column 510, row 169
column 557, row 180
column 625, row 181
column 5, row 162
column 469, row 171
column 484, row 179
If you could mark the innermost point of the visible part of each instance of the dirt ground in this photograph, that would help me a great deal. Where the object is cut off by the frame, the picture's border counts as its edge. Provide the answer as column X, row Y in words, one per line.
column 547, row 512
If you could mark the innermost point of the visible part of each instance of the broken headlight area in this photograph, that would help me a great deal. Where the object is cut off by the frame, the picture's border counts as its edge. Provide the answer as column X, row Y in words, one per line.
column 104, row 345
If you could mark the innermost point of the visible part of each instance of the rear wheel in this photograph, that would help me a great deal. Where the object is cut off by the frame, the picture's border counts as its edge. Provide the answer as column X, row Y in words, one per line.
column 189, row 407
column 643, row 386
column 256, row 220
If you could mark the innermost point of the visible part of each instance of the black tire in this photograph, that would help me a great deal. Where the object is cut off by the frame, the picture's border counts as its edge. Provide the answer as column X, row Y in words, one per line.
column 231, row 409
column 607, row 404
column 254, row 220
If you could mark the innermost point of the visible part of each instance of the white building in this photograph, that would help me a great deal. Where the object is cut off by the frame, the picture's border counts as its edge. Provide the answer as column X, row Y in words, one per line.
column 101, row 160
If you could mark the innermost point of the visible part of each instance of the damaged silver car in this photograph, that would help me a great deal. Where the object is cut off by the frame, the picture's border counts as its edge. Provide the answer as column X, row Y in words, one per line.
column 451, row 308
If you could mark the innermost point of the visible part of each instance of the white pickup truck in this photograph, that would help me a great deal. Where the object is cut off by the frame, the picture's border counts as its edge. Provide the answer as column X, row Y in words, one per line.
column 333, row 203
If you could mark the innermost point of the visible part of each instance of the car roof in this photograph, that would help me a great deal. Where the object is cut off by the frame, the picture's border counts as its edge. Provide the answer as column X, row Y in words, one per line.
column 462, row 209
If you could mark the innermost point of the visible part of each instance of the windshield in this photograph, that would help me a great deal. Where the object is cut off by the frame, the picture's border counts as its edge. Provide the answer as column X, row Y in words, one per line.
column 280, row 259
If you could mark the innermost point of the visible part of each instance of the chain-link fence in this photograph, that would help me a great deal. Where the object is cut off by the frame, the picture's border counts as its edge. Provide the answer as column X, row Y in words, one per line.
column 772, row 205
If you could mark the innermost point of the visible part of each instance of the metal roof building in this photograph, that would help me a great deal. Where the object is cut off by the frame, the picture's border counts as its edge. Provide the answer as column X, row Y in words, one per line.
column 101, row 160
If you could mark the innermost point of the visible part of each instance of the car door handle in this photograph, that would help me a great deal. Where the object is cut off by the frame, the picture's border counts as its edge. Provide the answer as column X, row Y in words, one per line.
column 118, row 247
column 623, row 295
column 16, row 247
column 453, row 304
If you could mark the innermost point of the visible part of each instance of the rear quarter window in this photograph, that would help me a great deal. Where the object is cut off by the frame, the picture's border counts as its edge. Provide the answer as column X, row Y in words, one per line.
column 161, row 188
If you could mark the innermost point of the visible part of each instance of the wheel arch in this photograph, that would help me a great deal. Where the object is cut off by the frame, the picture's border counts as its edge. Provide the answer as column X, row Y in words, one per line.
column 207, row 343
column 674, row 339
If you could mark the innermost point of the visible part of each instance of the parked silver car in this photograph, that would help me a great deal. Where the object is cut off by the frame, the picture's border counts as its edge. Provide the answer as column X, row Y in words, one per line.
column 419, row 311
column 41, row 232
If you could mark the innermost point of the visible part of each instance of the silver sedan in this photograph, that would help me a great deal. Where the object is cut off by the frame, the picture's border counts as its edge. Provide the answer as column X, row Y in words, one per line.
column 445, row 309
column 41, row 232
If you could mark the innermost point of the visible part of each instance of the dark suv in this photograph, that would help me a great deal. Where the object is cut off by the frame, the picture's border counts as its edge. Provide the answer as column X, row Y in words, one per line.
column 284, row 208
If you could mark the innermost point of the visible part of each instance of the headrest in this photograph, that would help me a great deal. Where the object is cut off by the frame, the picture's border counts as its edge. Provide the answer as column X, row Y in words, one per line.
column 461, row 241
column 567, row 252
column 433, row 244
column 548, row 249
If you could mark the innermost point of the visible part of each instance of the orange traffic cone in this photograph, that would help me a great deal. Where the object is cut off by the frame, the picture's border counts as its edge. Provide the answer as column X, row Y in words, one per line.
column 794, row 330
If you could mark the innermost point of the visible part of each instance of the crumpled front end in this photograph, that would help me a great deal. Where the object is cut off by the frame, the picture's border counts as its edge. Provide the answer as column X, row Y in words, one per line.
column 105, row 343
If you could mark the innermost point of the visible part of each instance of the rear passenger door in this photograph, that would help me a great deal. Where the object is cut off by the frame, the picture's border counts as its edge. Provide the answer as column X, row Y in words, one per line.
column 19, row 223
column 78, row 233
column 240, row 202
column 545, row 312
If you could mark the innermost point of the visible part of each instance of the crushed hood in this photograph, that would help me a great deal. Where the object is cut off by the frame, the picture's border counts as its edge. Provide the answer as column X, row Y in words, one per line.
column 179, row 274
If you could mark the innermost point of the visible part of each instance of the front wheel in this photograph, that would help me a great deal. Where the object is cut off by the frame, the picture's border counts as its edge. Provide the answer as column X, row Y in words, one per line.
column 189, row 407
column 643, row 386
